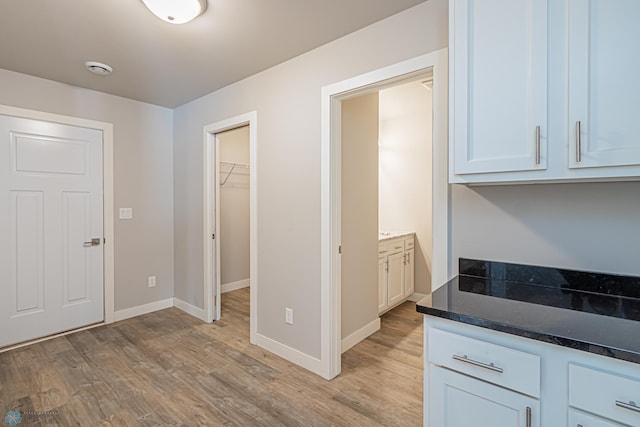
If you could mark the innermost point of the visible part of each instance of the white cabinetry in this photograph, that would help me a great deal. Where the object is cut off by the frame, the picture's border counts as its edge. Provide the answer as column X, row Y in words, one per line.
column 409, row 269
column 461, row 401
column 473, row 382
column 477, row 376
column 543, row 90
column 499, row 99
column 395, row 272
column 603, row 83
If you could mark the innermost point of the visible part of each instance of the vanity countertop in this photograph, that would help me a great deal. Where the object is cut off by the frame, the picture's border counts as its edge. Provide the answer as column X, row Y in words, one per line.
column 593, row 312
column 383, row 236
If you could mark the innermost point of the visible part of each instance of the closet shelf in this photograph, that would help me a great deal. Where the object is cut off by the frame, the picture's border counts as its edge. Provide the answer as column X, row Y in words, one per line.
column 232, row 165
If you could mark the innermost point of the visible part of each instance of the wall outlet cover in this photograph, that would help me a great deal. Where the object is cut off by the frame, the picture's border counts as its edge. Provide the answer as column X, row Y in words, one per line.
column 151, row 280
column 288, row 316
column 126, row 213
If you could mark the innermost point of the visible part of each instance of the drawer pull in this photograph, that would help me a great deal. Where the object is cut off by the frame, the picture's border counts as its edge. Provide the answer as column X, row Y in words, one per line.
column 631, row 405
column 528, row 417
column 578, row 142
column 489, row 366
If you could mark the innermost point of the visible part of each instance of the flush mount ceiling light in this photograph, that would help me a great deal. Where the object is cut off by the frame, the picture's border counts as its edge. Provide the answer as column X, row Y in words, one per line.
column 176, row 11
column 98, row 68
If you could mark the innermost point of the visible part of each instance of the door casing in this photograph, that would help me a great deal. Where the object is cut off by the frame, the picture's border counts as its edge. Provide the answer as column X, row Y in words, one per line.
column 330, row 272
column 108, row 202
column 211, row 198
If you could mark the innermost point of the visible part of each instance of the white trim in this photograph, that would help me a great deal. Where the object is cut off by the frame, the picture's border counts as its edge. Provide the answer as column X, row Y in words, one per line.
column 232, row 286
column 210, row 167
column 107, row 168
column 139, row 310
column 360, row 334
column 331, row 97
column 415, row 297
column 190, row 309
column 291, row 354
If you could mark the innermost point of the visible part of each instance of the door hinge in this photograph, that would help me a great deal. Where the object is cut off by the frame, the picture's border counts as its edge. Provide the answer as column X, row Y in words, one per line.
column 340, row 249
column 104, row 240
column 213, row 236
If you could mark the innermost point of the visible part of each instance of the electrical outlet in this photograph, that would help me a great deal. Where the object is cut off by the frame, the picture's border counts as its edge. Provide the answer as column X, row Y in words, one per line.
column 151, row 280
column 288, row 316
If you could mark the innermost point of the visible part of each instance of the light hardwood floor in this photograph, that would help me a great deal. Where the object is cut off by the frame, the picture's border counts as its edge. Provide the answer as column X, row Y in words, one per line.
column 168, row 368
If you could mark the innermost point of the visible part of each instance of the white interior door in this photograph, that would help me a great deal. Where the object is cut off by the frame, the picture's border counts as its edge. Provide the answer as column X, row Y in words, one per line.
column 51, row 185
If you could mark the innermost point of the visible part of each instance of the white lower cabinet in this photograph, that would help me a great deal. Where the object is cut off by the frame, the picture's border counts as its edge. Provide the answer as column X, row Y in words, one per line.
column 395, row 272
column 457, row 400
column 480, row 377
column 581, row 419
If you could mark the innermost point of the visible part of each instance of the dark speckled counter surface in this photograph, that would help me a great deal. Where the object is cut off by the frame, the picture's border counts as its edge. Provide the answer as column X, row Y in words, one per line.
column 593, row 312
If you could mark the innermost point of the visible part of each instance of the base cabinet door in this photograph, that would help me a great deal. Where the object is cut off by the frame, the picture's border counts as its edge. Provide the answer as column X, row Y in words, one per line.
column 409, row 275
column 456, row 400
column 395, row 278
column 382, row 284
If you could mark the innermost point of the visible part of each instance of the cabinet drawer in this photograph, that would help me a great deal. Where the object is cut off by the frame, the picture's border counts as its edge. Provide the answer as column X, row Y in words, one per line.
column 502, row 366
column 395, row 247
column 408, row 244
column 605, row 394
column 383, row 251
column 580, row 419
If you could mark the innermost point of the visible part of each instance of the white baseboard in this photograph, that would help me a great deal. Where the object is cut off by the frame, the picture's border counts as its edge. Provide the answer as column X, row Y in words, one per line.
column 190, row 309
column 360, row 334
column 291, row 354
column 416, row 297
column 228, row 287
column 139, row 310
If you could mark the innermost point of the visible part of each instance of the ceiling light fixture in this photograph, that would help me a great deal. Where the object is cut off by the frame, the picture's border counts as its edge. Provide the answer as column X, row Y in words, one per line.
column 98, row 68
column 176, row 11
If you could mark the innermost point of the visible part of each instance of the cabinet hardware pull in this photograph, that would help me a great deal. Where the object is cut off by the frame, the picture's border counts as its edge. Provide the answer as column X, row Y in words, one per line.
column 386, row 266
column 408, row 258
column 404, row 258
column 537, row 145
column 579, row 425
column 489, row 366
column 528, row 417
column 631, row 405
column 578, row 143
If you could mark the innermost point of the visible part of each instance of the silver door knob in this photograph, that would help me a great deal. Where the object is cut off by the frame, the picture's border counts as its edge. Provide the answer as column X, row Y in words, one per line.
column 93, row 242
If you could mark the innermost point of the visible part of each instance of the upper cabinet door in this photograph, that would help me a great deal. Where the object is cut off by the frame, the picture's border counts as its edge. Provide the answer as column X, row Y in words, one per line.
column 604, row 87
column 499, row 85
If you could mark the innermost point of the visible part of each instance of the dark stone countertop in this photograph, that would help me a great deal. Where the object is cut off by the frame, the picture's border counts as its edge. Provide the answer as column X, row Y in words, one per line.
column 593, row 312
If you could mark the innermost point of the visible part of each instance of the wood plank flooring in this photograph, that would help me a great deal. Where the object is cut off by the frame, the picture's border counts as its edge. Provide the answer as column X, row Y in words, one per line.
column 168, row 368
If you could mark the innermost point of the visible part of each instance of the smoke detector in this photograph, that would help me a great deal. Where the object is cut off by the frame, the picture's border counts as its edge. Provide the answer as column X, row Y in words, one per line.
column 98, row 68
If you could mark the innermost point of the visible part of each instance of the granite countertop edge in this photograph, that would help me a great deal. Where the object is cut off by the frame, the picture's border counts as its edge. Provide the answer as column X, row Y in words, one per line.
column 424, row 306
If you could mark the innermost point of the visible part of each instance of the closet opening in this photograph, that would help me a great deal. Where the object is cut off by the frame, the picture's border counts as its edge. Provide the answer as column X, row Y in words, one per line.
column 230, row 220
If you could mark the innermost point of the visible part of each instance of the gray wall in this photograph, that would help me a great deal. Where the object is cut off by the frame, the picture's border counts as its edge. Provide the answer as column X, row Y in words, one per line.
column 287, row 100
column 585, row 226
column 143, row 175
column 234, row 207
column 359, row 228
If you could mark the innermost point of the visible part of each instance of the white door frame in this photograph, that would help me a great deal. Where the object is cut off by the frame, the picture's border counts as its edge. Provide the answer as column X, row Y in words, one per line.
column 332, row 96
column 212, row 217
column 107, row 167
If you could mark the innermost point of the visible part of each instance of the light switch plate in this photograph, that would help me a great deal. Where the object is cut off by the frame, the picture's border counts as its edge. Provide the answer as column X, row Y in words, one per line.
column 126, row 213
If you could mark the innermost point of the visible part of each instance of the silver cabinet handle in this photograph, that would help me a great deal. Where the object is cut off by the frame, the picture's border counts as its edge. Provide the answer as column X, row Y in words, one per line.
column 489, row 366
column 386, row 266
column 408, row 258
column 631, row 405
column 528, row 417
column 537, row 145
column 93, row 242
column 404, row 258
column 578, row 143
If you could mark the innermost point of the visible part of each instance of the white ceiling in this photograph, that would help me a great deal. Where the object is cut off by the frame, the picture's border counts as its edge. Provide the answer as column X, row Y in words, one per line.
column 168, row 64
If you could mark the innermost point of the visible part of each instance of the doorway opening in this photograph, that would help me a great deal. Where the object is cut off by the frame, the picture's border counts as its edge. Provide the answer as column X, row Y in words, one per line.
column 230, row 216
column 431, row 68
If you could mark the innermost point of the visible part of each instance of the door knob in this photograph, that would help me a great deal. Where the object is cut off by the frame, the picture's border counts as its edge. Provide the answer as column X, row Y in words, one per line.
column 93, row 242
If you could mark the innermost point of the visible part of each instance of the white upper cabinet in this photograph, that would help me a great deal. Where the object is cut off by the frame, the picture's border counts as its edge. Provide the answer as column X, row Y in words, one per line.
column 499, row 63
column 604, row 88
column 544, row 90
